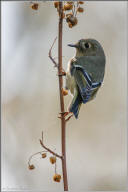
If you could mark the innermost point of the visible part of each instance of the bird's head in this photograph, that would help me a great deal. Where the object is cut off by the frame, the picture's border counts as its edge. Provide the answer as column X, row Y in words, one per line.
column 87, row 47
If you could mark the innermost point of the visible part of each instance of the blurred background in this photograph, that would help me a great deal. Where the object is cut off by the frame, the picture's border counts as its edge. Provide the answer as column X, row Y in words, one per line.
column 96, row 142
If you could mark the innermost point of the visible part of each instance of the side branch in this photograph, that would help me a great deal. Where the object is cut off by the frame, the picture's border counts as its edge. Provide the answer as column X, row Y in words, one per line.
column 49, row 150
column 50, row 55
column 34, row 155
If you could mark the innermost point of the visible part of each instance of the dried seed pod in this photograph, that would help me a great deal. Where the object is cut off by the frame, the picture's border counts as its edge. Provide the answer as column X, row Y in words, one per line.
column 70, row 25
column 69, row 2
column 56, row 4
column 57, row 178
column 31, row 167
column 68, row 6
column 80, row 10
column 64, row 92
column 52, row 159
column 35, row 6
column 81, row 2
column 71, row 14
column 71, row 20
column 44, row 155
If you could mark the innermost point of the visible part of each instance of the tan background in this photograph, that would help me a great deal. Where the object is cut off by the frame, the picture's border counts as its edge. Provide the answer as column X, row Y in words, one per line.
column 96, row 142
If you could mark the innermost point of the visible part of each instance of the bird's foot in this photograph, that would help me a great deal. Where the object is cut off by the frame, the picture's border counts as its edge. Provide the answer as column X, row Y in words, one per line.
column 64, row 114
column 69, row 118
column 62, row 73
column 64, row 92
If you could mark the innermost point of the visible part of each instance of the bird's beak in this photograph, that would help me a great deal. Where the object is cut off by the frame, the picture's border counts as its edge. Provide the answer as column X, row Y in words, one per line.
column 73, row 45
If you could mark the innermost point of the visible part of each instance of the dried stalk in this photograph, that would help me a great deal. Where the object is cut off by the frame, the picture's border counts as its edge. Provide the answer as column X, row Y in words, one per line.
column 63, row 123
column 61, row 73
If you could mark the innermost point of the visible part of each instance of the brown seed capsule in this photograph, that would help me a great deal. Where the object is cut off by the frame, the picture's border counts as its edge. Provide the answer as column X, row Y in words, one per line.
column 71, row 20
column 31, row 167
column 56, row 4
column 44, row 155
column 80, row 10
column 52, row 159
column 81, row 2
column 69, row 2
column 57, row 178
column 64, row 92
column 69, row 14
column 70, row 25
column 35, row 6
column 68, row 6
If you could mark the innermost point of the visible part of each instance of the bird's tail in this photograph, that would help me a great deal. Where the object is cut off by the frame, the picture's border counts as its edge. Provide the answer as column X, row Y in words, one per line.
column 75, row 106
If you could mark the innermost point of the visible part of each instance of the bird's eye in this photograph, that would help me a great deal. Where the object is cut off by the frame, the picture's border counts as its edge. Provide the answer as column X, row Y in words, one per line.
column 87, row 45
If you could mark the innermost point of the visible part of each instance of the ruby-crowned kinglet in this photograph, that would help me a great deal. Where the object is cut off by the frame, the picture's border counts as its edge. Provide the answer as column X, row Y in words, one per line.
column 85, row 73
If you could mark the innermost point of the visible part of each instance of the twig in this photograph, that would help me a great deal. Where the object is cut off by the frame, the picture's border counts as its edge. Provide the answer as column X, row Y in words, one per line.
column 57, row 57
column 76, row 8
column 49, row 150
column 53, row 59
column 34, row 155
column 50, row 56
column 73, row 9
column 55, row 167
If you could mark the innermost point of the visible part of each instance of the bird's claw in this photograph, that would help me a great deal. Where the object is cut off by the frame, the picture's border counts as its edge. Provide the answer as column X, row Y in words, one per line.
column 64, row 114
column 69, row 118
column 62, row 73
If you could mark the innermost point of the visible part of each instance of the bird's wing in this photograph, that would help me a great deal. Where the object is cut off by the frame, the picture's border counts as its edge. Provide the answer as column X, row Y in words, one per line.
column 76, row 103
column 93, row 65
column 83, row 80
column 82, row 84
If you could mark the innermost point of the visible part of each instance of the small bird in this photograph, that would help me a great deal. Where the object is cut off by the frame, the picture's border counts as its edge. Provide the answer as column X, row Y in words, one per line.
column 85, row 73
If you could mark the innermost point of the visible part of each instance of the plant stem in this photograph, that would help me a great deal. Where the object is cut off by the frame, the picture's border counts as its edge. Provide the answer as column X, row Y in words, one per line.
column 63, row 123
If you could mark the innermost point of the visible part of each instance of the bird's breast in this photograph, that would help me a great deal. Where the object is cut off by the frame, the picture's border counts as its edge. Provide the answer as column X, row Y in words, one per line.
column 70, row 82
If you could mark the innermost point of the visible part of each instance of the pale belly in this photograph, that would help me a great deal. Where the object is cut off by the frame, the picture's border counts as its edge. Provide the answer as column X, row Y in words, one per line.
column 70, row 83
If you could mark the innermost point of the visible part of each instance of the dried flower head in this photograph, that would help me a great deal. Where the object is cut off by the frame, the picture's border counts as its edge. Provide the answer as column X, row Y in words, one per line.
column 64, row 92
column 71, row 20
column 69, row 14
column 70, row 25
column 81, row 2
column 52, row 159
column 31, row 167
column 44, row 155
column 57, row 178
column 56, row 4
column 68, row 6
column 70, row 2
column 35, row 6
column 80, row 10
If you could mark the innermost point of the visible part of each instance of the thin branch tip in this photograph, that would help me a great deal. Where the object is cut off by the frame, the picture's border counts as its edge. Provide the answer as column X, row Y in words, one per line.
column 50, row 54
column 49, row 150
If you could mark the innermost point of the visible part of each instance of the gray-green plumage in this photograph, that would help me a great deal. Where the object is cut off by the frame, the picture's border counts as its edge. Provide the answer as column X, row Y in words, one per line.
column 85, row 73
